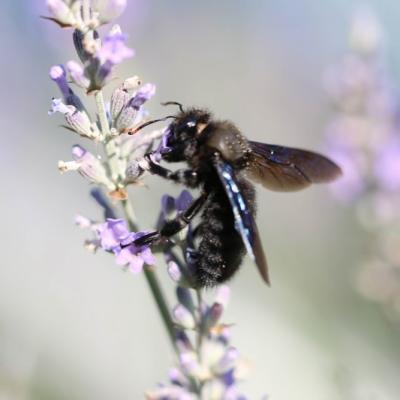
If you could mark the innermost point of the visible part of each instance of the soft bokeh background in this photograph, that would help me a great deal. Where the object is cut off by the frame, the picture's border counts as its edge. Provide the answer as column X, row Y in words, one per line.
column 73, row 325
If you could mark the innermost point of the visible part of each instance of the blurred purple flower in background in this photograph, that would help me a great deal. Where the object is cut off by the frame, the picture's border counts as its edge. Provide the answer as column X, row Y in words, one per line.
column 364, row 138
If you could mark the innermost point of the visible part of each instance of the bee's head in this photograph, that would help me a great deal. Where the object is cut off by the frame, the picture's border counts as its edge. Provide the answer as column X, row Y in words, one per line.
column 182, row 138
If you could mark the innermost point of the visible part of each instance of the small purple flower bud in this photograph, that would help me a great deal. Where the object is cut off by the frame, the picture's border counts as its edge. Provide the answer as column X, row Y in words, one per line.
column 77, row 74
column 80, row 123
column 61, row 13
column 177, row 378
column 126, row 118
column 168, row 207
column 119, row 99
column 131, row 83
column 59, row 76
column 77, row 120
column 183, row 201
column 174, row 272
column 228, row 361
column 90, row 167
column 213, row 315
column 109, row 10
column 133, row 172
column 145, row 93
column 189, row 363
column 183, row 317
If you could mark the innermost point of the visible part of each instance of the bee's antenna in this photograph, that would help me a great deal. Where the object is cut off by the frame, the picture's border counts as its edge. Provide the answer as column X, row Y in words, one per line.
column 173, row 103
column 153, row 121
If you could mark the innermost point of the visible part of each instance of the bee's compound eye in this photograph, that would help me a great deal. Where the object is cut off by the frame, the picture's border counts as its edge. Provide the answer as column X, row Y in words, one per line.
column 190, row 124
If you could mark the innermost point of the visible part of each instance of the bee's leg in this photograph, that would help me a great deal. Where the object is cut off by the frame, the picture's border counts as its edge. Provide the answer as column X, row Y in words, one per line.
column 186, row 177
column 171, row 228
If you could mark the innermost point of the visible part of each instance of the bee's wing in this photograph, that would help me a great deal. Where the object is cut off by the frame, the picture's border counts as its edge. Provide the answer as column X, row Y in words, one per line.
column 286, row 169
column 244, row 221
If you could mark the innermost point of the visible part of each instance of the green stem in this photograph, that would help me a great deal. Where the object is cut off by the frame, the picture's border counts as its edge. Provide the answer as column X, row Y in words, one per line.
column 150, row 275
column 101, row 110
column 86, row 11
column 153, row 282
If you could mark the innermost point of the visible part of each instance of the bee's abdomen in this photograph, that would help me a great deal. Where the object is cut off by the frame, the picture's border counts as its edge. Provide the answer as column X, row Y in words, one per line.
column 221, row 248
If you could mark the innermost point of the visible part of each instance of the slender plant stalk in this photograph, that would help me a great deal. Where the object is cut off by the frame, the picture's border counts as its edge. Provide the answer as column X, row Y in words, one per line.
column 152, row 281
column 101, row 109
column 86, row 10
column 150, row 274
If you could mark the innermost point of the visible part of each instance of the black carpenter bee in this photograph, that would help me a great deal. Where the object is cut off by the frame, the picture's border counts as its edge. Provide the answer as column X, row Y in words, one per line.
column 220, row 163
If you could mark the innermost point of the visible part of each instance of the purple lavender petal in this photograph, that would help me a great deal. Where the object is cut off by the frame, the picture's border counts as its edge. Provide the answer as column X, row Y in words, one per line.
column 167, row 205
column 229, row 377
column 59, row 76
column 148, row 256
column 145, row 93
column 119, row 228
column 113, row 49
column 78, row 152
column 111, row 233
column 174, row 272
column 136, row 264
column 163, row 146
column 58, row 106
column 123, row 256
column 127, row 256
column 183, row 201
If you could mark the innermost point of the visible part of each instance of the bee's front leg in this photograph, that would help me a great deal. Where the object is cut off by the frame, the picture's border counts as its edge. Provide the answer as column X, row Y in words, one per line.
column 171, row 228
column 185, row 177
